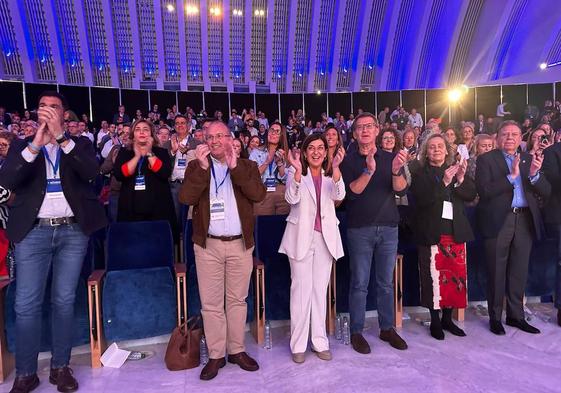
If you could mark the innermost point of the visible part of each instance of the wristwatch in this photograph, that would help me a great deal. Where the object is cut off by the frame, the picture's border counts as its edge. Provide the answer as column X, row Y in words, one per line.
column 61, row 138
column 365, row 170
column 150, row 155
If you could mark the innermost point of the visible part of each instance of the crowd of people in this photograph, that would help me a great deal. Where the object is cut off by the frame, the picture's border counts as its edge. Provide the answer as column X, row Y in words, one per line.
column 227, row 171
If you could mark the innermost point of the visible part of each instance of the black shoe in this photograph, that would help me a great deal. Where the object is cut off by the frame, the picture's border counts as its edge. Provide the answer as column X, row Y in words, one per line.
column 452, row 328
column 522, row 325
column 359, row 343
column 497, row 327
column 436, row 331
column 390, row 336
column 63, row 379
column 210, row 370
column 25, row 384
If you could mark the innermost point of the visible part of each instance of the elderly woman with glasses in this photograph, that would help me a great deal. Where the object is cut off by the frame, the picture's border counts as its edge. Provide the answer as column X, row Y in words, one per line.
column 271, row 160
column 441, row 229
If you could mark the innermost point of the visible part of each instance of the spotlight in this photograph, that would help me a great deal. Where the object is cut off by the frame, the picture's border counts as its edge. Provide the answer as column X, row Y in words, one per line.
column 319, row 92
column 237, row 12
column 256, row 13
column 543, row 66
column 454, row 95
column 170, row 8
column 261, row 12
column 215, row 11
column 191, row 10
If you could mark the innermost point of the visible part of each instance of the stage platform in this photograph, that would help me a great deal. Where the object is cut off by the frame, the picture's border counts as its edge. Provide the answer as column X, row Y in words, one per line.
column 481, row 362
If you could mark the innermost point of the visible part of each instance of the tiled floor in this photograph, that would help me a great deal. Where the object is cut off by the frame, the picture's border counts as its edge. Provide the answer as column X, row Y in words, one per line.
column 480, row 362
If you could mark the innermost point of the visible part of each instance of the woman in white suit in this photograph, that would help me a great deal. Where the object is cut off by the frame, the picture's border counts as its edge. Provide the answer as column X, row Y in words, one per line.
column 311, row 241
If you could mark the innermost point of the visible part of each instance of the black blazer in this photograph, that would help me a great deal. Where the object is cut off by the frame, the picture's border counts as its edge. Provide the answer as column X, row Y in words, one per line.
column 429, row 194
column 28, row 181
column 496, row 192
column 552, row 170
column 155, row 203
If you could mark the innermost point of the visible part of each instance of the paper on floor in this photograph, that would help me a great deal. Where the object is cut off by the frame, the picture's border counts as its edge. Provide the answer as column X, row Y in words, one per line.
column 114, row 356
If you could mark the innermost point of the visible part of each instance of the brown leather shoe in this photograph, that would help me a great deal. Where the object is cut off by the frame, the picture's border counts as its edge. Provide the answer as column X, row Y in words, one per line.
column 243, row 360
column 360, row 344
column 210, row 370
column 25, row 384
column 393, row 338
column 63, row 379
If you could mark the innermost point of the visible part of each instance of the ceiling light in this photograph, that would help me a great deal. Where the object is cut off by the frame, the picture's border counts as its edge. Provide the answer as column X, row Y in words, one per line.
column 454, row 95
column 191, row 10
column 543, row 66
column 319, row 91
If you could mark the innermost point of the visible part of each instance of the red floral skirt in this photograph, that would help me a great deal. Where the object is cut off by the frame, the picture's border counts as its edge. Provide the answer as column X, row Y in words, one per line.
column 443, row 274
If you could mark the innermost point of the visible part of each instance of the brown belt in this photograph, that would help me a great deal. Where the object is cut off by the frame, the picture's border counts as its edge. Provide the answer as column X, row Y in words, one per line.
column 225, row 238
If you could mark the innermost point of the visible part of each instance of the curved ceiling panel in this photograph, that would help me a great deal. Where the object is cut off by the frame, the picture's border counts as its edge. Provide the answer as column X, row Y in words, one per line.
column 270, row 46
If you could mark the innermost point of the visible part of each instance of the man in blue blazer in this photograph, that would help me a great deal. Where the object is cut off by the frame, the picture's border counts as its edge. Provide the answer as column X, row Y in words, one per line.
column 509, row 219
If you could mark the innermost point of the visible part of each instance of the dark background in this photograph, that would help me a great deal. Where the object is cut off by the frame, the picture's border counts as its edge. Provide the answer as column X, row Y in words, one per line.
column 106, row 100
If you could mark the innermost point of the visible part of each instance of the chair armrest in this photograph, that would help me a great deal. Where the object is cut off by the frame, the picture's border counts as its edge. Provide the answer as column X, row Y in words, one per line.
column 258, row 263
column 180, row 269
column 96, row 277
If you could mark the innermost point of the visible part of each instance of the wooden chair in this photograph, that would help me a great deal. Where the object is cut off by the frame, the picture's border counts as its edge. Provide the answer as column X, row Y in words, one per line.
column 258, row 324
column 7, row 360
column 331, row 314
column 398, row 291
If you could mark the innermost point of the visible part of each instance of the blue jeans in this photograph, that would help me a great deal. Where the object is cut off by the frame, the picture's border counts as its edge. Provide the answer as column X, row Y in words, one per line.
column 363, row 243
column 557, row 233
column 63, row 248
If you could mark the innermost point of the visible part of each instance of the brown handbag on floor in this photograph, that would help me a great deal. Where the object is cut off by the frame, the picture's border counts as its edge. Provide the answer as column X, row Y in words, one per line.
column 183, row 349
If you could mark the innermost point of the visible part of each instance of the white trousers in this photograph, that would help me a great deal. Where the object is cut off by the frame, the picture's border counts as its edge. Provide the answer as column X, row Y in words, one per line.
column 308, row 297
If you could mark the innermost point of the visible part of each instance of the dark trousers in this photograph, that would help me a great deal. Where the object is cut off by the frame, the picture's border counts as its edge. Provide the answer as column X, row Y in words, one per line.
column 507, row 265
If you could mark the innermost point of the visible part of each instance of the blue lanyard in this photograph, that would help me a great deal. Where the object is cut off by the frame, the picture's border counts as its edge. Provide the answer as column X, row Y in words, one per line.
column 57, row 160
column 271, row 169
column 216, row 185
column 139, row 166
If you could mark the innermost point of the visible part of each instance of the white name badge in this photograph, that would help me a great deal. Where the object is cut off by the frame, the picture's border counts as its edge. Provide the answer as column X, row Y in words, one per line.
column 217, row 209
column 54, row 189
column 271, row 184
column 139, row 183
column 182, row 162
column 447, row 210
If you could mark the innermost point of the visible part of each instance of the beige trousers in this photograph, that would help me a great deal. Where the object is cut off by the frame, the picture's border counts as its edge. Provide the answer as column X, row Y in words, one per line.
column 308, row 297
column 223, row 273
column 273, row 204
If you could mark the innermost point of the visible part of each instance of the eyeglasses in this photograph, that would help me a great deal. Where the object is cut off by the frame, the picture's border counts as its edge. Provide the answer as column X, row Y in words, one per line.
column 274, row 131
column 218, row 137
column 367, row 127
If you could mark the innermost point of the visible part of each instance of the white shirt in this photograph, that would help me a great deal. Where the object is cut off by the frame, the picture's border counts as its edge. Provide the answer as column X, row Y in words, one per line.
column 100, row 135
column 178, row 172
column 88, row 135
column 107, row 148
column 231, row 225
column 263, row 121
column 501, row 110
column 416, row 120
column 52, row 207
